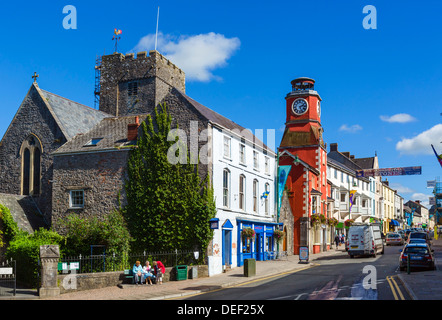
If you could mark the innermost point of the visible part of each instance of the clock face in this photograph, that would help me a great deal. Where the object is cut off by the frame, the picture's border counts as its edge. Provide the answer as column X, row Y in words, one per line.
column 299, row 106
column 318, row 108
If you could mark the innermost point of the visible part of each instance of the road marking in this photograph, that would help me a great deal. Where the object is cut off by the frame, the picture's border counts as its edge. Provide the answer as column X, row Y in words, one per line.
column 394, row 285
column 249, row 282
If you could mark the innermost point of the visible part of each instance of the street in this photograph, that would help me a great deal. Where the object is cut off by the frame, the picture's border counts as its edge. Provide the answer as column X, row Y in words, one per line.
column 332, row 278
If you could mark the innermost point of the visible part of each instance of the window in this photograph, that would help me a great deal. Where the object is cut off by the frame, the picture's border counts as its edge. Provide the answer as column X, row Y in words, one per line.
column 343, row 196
column 242, row 153
column 30, row 153
column 226, row 188
column 267, row 165
column 76, row 199
column 336, row 173
column 242, row 185
column 132, row 89
column 255, row 160
column 255, row 195
column 266, row 203
column 227, row 147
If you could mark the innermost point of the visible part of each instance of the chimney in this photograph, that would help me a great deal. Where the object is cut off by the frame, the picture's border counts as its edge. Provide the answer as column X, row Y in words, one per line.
column 333, row 147
column 132, row 130
column 417, row 201
column 347, row 154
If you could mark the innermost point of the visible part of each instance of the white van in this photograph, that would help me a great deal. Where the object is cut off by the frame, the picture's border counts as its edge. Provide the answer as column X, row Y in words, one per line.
column 365, row 239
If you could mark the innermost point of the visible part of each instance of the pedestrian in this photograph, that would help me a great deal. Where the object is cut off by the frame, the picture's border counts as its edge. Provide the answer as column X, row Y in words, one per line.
column 337, row 241
column 343, row 239
column 147, row 274
column 138, row 272
column 159, row 270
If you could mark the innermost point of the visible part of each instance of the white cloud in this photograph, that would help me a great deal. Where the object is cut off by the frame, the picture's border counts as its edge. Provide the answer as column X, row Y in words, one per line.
column 196, row 55
column 422, row 197
column 399, row 118
column 400, row 188
column 421, row 144
column 352, row 129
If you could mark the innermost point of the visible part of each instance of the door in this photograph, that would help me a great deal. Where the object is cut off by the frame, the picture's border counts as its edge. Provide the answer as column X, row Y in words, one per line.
column 227, row 247
column 259, row 247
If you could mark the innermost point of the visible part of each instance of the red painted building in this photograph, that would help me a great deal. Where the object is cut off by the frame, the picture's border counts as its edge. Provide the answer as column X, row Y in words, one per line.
column 303, row 148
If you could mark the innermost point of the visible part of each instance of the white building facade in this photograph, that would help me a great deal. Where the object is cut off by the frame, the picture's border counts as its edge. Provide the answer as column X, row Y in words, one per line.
column 243, row 175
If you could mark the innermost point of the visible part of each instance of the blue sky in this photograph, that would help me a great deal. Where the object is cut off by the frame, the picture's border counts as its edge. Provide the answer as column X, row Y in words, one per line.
column 255, row 49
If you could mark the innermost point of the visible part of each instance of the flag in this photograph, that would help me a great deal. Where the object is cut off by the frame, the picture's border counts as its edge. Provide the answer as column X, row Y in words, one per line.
column 439, row 157
column 352, row 196
column 283, row 173
column 265, row 194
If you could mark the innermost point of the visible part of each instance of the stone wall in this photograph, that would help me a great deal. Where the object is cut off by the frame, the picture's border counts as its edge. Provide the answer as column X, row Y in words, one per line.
column 155, row 75
column 32, row 118
column 89, row 281
column 101, row 175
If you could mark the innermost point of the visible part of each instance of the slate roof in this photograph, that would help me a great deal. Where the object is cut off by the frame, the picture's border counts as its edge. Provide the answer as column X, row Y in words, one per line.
column 111, row 131
column 72, row 117
column 24, row 211
column 365, row 163
column 219, row 119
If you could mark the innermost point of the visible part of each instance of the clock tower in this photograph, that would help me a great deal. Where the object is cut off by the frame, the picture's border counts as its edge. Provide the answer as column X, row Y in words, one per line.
column 302, row 147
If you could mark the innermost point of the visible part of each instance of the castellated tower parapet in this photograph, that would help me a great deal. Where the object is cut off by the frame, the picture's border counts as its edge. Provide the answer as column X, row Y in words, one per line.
column 132, row 84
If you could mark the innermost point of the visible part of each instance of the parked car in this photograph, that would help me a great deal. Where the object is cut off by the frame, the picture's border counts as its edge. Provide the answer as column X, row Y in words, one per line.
column 417, row 240
column 420, row 235
column 421, row 256
column 402, row 233
column 365, row 239
column 394, row 238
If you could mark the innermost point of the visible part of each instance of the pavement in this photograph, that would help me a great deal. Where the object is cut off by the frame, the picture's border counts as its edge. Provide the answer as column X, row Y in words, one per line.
column 421, row 285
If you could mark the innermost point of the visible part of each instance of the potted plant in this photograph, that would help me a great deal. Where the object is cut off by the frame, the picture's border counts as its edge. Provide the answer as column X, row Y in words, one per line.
column 248, row 233
column 348, row 222
column 332, row 222
column 278, row 234
column 317, row 219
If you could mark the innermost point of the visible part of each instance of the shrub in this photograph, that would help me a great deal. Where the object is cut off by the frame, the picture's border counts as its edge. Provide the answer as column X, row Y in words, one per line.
column 25, row 249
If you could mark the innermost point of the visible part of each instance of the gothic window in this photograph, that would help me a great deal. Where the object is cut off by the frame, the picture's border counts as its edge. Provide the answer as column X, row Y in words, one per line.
column 31, row 152
column 26, row 171
column 132, row 95
column 255, row 195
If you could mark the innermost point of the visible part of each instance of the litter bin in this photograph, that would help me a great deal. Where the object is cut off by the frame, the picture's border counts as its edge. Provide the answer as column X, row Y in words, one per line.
column 249, row 267
column 181, row 273
column 194, row 272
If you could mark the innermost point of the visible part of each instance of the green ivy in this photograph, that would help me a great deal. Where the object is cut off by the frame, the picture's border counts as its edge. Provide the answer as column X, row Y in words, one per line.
column 168, row 205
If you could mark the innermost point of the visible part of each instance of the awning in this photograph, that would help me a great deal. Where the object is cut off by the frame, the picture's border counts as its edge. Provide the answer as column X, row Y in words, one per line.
column 394, row 223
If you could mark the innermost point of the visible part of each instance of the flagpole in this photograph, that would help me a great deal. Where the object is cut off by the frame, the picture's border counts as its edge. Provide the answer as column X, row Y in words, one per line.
column 156, row 34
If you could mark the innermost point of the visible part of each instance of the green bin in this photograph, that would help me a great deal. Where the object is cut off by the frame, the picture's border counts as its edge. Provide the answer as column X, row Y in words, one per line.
column 181, row 273
column 249, row 267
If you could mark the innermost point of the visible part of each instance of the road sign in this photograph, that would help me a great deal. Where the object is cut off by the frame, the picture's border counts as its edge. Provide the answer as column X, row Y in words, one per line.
column 389, row 172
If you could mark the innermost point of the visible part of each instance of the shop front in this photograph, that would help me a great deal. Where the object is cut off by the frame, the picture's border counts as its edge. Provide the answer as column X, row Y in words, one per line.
column 261, row 246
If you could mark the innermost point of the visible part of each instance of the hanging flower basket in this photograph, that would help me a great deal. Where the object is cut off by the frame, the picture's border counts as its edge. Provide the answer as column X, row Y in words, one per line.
column 318, row 219
column 348, row 222
column 278, row 234
column 332, row 222
column 248, row 233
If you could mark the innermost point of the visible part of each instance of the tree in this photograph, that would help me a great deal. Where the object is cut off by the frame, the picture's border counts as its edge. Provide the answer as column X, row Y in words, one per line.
column 168, row 205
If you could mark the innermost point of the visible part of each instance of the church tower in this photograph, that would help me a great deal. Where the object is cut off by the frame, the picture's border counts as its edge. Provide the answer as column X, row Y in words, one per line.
column 302, row 147
column 131, row 85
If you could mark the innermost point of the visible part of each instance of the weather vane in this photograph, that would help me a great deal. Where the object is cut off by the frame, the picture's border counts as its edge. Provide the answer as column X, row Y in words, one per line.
column 116, row 37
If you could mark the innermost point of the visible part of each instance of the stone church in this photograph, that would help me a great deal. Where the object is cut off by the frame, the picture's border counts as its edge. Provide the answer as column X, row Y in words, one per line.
column 59, row 157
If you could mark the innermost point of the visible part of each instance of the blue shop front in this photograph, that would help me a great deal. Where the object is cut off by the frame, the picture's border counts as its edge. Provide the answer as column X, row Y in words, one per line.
column 262, row 246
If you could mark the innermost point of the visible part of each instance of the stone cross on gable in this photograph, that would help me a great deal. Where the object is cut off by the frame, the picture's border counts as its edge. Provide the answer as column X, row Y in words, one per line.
column 35, row 76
